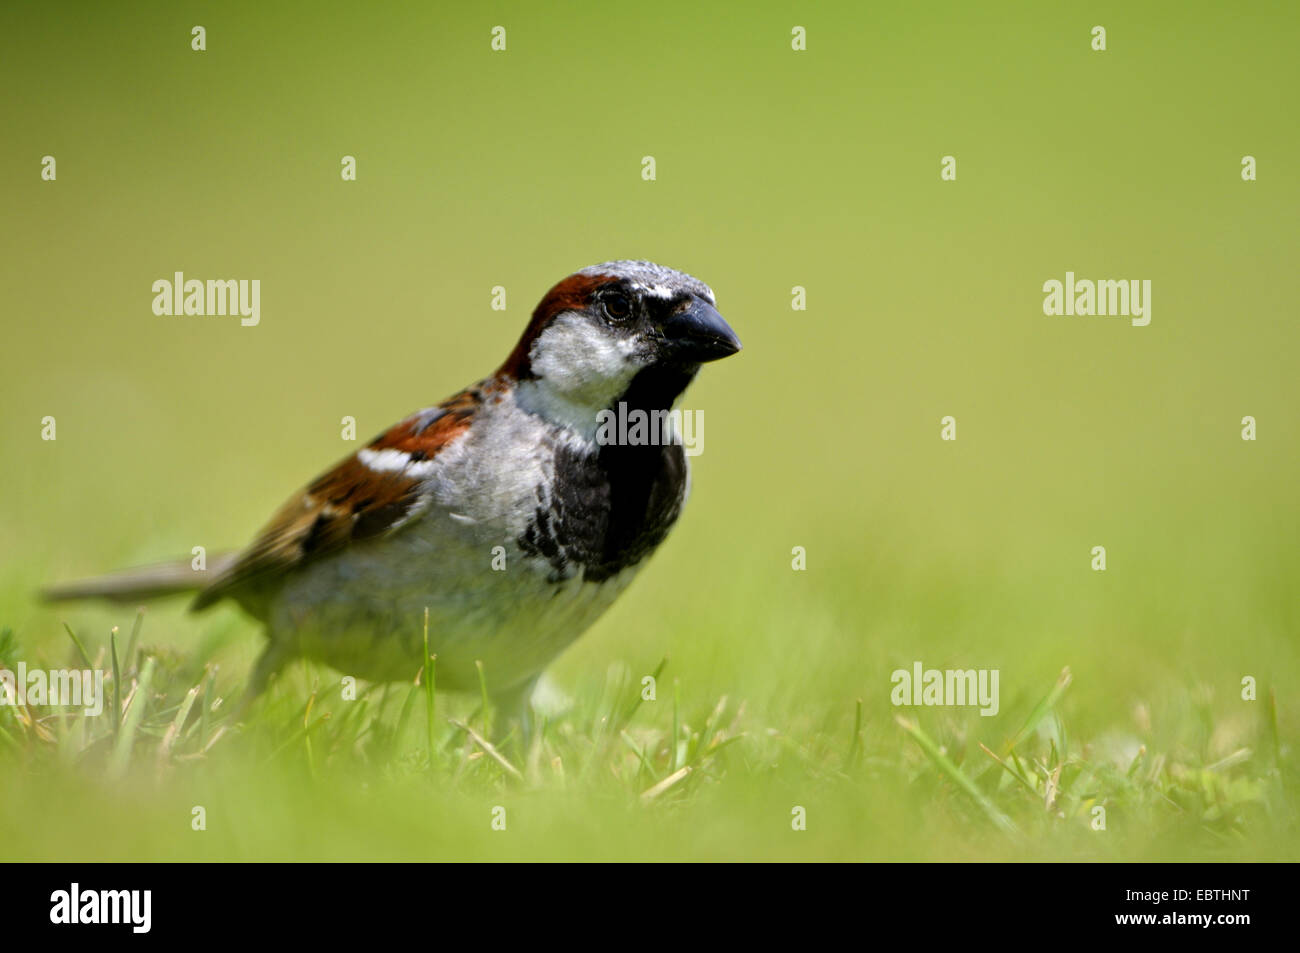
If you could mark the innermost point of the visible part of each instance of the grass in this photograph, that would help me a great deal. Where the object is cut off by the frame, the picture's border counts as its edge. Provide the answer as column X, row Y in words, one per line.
column 401, row 772
column 817, row 170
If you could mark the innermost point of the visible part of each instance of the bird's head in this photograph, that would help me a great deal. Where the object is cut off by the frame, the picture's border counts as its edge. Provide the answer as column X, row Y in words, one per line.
column 622, row 330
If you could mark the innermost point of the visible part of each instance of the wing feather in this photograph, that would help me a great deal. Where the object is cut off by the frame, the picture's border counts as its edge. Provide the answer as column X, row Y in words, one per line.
column 375, row 491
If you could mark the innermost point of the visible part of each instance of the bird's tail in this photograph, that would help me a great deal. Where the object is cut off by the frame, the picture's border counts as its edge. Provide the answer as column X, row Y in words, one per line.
column 135, row 585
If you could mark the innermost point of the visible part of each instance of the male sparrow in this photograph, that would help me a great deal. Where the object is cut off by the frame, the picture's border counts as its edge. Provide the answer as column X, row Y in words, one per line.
column 503, row 511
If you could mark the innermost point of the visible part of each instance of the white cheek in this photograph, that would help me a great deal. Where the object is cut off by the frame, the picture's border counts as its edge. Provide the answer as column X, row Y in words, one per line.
column 575, row 358
column 580, row 372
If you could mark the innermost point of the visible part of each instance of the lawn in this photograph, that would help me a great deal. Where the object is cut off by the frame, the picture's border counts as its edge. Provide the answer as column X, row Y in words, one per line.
column 1147, row 710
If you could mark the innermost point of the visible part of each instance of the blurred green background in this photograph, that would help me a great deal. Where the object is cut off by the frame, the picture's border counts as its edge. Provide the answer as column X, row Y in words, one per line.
column 775, row 168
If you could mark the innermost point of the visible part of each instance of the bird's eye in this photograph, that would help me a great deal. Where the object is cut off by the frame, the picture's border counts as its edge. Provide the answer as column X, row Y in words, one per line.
column 617, row 306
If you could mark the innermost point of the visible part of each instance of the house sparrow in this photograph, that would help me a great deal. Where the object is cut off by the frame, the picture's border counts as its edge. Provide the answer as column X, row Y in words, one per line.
column 345, row 570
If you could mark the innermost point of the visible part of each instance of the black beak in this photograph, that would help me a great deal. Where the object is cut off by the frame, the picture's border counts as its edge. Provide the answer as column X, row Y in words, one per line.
column 697, row 334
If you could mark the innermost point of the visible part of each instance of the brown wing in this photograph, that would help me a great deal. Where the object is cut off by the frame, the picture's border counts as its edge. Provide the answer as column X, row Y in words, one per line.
column 372, row 492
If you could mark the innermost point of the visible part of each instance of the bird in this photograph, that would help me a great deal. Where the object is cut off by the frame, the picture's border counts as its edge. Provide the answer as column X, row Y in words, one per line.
column 502, row 522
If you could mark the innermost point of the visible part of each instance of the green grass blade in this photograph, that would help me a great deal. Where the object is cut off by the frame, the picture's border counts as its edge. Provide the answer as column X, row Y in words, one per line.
column 430, row 688
column 134, row 714
column 77, row 642
column 117, row 683
column 1041, row 709
column 954, row 774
